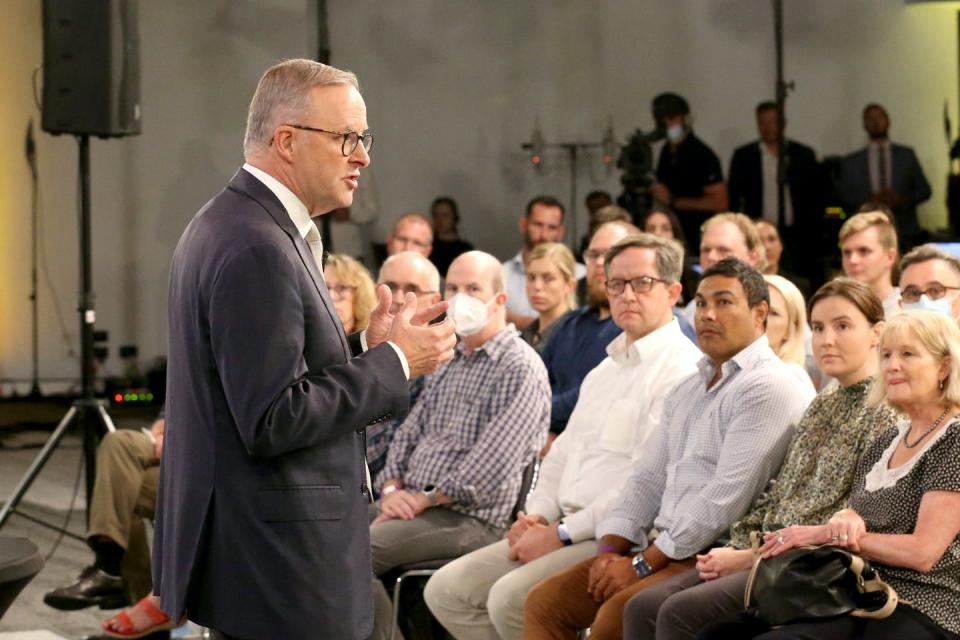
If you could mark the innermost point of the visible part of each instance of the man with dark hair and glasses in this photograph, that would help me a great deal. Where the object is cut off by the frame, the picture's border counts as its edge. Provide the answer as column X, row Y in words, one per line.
column 930, row 279
column 481, row 595
column 723, row 434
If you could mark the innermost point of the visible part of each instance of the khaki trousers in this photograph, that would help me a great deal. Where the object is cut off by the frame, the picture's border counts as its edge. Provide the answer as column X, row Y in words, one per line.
column 561, row 606
column 125, row 492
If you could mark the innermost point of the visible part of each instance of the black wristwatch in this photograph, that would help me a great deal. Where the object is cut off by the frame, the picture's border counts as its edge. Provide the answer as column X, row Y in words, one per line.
column 641, row 566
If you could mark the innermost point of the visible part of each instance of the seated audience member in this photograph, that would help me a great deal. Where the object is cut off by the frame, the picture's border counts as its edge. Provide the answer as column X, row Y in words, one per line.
column 773, row 248
column 579, row 342
column 868, row 242
column 551, row 281
column 903, row 513
column 728, row 235
column 753, row 189
column 412, row 232
column 455, row 465
column 481, row 595
column 930, row 279
column 542, row 222
column 724, row 432
column 447, row 243
column 786, row 324
column 595, row 201
column 404, row 272
column 813, row 483
column 689, row 176
column 886, row 173
column 351, row 290
column 663, row 223
column 124, row 493
column 600, row 217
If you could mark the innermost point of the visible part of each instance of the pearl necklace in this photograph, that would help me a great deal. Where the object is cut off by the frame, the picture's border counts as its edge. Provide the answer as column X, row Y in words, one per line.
column 925, row 433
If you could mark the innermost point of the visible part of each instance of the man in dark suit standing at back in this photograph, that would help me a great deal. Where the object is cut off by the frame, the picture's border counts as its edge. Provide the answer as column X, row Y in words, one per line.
column 752, row 186
column 261, row 520
column 885, row 173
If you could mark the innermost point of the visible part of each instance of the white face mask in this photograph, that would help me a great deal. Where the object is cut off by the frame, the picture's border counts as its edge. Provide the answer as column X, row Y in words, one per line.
column 943, row 305
column 675, row 133
column 469, row 314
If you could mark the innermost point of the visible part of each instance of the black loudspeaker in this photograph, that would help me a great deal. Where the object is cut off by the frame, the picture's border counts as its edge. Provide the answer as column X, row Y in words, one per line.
column 91, row 67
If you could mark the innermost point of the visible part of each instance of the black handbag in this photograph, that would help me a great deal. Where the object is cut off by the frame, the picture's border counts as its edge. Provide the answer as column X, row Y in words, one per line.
column 808, row 583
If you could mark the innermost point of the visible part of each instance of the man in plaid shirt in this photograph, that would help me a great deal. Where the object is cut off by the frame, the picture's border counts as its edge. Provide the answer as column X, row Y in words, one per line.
column 455, row 466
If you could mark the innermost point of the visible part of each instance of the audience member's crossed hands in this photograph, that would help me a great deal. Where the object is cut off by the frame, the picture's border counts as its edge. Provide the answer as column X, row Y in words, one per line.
column 401, row 505
column 531, row 537
column 723, row 561
column 844, row 530
column 610, row 573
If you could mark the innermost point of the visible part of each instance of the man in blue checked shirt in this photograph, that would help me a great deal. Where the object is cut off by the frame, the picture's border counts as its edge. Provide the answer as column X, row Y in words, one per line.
column 724, row 432
column 455, row 465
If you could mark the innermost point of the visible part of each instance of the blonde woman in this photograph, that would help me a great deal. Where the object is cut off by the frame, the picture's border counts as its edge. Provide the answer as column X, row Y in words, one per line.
column 551, row 286
column 352, row 291
column 786, row 324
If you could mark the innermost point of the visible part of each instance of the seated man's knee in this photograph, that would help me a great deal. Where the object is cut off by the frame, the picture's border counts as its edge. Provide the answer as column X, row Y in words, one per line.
column 505, row 601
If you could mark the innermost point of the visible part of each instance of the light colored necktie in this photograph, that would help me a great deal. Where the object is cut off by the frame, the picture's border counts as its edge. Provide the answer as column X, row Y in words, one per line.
column 315, row 242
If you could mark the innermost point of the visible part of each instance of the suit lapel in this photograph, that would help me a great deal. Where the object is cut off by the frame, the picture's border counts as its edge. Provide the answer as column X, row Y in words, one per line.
column 250, row 185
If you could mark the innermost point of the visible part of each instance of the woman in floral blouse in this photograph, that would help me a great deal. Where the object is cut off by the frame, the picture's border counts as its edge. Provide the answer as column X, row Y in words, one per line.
column 815, row 480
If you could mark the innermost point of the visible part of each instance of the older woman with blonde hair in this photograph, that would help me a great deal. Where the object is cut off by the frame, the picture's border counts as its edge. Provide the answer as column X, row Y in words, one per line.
column 786, row 324
column 352, row 291
column 551, row 285
column 904, row 510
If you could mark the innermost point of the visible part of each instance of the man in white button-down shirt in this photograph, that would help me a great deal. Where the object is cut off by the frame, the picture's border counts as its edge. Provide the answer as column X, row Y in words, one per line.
column 724, row 433
column 481, row 595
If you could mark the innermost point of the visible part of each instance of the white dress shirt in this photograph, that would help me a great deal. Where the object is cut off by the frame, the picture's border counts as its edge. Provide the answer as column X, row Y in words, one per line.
column 771, row 211
column 620, row 404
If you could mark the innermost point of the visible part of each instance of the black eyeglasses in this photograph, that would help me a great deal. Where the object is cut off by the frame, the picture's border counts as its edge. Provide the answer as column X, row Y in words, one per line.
column 935, row 291
column 642, row 284
column 350, row 139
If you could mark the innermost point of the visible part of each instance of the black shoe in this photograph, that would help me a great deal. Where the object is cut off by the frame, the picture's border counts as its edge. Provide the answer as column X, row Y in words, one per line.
column 93, row 588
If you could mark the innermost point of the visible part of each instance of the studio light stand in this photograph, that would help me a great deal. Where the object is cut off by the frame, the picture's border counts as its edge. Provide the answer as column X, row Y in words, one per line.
column 537, row 146
column 88, row 412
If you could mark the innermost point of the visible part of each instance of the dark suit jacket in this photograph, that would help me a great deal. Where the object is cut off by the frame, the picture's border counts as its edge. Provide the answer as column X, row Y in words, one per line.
column 907, row 179
column 262, row 527
column 745, row 184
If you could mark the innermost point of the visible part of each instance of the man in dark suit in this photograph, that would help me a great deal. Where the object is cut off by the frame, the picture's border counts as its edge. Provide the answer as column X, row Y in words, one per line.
column 261, row 521
column 753, row 189
column 885, row 173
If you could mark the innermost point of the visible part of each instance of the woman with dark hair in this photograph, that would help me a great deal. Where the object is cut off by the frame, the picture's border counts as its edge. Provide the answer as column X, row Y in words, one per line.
column 815, row 480
column 447, row 244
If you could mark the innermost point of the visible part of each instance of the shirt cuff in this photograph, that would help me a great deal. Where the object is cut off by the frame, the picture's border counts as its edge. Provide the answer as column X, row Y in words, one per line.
column 403, row 358
column 623, row 527
column 580, row 525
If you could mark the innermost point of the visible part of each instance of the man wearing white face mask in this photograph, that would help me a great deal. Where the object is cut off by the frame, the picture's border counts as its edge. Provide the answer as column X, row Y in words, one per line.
column 930, row 280
column 689, row 176
column 454, row 467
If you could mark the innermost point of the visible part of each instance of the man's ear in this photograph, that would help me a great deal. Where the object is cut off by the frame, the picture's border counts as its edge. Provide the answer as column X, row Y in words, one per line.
column 522, row 225
column 760, row 313
column 673, row 293
column 283, row 143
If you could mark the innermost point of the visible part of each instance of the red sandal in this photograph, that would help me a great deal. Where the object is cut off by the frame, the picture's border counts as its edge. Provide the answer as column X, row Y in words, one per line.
column 120, row 626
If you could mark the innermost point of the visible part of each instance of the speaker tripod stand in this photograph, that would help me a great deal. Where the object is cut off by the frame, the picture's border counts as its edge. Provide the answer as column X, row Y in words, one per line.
column 88, row 412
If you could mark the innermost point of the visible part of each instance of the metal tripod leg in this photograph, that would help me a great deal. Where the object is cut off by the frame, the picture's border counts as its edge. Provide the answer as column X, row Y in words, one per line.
column 36, row 466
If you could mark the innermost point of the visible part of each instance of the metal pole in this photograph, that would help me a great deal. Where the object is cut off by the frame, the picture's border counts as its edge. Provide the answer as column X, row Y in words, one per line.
column 35, row 392
column 574, row 238
column 781, row 93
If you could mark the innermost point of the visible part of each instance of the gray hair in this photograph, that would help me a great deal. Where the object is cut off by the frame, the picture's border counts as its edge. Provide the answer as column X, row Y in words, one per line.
column 927, row 252
column 283, row 93
column 669, row 254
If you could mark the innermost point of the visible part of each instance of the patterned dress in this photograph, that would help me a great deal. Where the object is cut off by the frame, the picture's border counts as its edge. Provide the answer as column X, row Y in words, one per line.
column 819, row 470
column 889, row 501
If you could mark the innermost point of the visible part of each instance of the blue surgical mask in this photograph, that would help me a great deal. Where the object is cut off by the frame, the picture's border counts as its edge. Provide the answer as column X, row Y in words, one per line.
column 926, row 304
column 675, row 133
